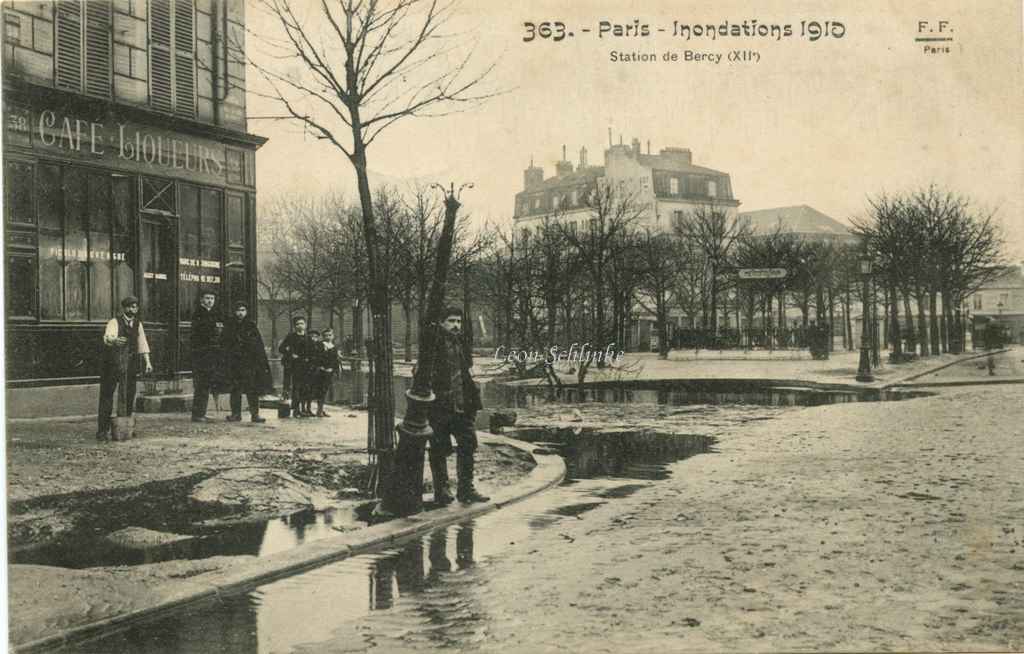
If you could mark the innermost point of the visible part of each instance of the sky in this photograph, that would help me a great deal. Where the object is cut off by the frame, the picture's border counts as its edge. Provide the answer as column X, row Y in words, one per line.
column 828, row 123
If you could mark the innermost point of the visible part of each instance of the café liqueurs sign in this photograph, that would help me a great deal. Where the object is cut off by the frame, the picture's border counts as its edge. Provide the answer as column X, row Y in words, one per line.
column 762, row 273
column 120, row 143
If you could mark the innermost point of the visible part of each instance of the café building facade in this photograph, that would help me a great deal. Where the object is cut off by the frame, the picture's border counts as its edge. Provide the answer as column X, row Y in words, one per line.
column 128, row 170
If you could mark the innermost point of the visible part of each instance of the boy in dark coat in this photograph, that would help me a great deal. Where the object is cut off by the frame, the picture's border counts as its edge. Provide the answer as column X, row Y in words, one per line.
column 295, row 351
column 326, row 364
column 246, row 362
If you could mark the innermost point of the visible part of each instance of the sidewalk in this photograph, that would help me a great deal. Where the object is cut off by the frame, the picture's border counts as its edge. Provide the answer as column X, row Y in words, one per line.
column 179, row 475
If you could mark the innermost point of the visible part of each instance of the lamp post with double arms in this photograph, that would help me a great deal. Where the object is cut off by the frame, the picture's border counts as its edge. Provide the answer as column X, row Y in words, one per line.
column 864, row 369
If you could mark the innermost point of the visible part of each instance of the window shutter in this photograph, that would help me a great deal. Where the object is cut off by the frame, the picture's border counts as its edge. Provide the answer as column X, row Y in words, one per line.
column 160, row 66
column 97, row 47
column 184, row 58
column 69, row 46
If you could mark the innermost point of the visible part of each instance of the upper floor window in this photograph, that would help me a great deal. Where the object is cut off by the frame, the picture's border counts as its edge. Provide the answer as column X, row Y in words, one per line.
column 555, row 201
column 575, row 197
column 172, row 56
column 673, row 185
column 536, row 202
column 83, row 61
column 712, row 188
column 978, row 305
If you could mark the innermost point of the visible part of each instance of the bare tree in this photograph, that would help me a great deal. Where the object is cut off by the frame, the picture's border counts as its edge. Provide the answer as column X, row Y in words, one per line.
column 302, row 255
column 614, row 214
column 659, row 272
column 362, row 66
column 715, row 233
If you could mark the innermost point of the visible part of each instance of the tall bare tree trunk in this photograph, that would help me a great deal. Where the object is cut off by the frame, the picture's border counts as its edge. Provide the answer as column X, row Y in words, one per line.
column 908, row 316
column 922, row 325
column 407, row 336
column 934, row 322
column 848, row 324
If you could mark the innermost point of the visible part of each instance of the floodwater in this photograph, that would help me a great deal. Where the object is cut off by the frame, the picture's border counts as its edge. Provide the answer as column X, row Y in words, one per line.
column 678, row 393
column 433, row 591
column 247, row 538
column 425, row 593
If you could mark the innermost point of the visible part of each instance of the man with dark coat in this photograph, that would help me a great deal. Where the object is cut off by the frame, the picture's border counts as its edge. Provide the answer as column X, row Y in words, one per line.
column 206, row 356
column 453, row 412
column 124, row 342
column 246, row 361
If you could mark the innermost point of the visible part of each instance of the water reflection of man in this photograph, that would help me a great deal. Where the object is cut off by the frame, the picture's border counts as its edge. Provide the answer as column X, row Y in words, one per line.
column 438, row 553
column 464, row 547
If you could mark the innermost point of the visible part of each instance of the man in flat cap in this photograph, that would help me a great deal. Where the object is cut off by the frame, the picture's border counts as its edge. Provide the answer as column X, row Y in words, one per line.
column 124, row 342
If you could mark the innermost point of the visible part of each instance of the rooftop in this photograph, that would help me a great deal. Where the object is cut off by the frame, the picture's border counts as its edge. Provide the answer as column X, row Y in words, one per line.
column 798, row 219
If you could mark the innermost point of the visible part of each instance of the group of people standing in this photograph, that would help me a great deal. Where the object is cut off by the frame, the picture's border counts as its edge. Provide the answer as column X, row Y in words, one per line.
column 310, row 361
column 228, row 356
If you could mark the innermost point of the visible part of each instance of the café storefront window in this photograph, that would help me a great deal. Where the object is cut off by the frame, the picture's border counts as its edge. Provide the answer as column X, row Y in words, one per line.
column 201, row 225
column 77, row 218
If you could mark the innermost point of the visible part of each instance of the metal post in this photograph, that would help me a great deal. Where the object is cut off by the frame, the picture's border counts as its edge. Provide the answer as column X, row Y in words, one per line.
column 864, row 369
column 404, row 492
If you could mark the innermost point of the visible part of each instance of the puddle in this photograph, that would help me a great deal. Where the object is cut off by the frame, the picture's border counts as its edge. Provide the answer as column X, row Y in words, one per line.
column 437, row 590
column 424, row 593
column 681, row 393
column 259, row 538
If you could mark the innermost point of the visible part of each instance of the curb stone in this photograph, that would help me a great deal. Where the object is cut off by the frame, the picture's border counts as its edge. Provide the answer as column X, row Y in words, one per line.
column 950, row 364
column 549, row 471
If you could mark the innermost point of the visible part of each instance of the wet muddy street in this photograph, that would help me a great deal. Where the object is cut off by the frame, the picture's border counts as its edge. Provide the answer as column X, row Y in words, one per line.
column 866, row 526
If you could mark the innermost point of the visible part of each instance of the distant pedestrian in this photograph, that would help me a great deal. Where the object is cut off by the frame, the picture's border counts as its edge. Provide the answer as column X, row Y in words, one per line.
column 453, row 413
column 207, row 328
column 310, row 389
column 326, row 364
column 246, row 361
column 124, row 342
column 294, row 351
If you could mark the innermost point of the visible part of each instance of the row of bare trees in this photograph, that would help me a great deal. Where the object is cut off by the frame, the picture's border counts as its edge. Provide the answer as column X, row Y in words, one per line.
column 580, row 277
column 314, row 257
column 932, row 248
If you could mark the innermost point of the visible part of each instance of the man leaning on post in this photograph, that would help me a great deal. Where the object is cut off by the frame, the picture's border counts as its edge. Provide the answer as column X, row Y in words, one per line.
column 453, row 412
column 124, row 331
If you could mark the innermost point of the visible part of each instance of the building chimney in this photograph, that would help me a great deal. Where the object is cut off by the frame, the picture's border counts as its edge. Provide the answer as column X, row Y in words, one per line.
column 648, row 146
column 583, row 158
column 681, row 156
column 532, row 176
column 636, row 147
column 563, row 167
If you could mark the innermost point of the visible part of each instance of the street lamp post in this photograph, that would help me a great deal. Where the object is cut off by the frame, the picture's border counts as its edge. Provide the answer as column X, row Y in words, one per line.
column 864, row 369
column 403, row 492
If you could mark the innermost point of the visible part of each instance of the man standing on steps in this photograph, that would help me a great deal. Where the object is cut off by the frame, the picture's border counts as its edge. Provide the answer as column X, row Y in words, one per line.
column 206, row 359
column 453, row 413
column 121, row 333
